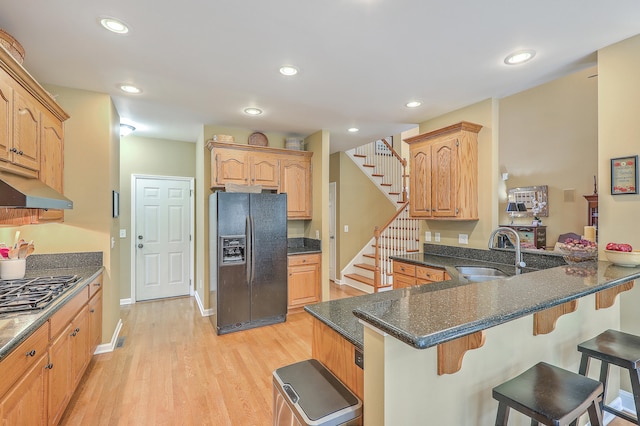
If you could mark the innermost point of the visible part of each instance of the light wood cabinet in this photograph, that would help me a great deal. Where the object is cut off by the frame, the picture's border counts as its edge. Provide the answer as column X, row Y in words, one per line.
column 407, row 275
column 30, row 136
column 282, row 170
column 444, row 173
column 304, row 283
column 51, row 161
column 59, row 375
column 41, row 374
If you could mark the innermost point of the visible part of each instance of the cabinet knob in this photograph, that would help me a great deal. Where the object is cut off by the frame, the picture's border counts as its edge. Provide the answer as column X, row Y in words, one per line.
column 92, row 311
column 49, row 366
column 20, row 153
column 74, row 334
column 77, row 330
column 31, row 353
column 14, row 150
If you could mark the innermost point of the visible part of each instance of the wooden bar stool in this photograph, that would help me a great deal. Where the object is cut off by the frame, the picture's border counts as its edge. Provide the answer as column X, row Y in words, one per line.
column 617, row 348
column 549, row 395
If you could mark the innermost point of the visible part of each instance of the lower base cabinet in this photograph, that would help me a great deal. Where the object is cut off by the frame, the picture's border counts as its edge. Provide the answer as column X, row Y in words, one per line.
column 408, row 274
column 46, row 368
column 304, row 281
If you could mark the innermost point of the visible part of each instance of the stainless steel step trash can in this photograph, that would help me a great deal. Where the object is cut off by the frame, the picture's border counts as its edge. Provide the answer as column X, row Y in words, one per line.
column 306, row 393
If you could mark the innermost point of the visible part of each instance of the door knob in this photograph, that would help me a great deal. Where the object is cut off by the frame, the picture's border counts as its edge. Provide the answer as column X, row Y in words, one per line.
column 139, row 237
column 140, row 245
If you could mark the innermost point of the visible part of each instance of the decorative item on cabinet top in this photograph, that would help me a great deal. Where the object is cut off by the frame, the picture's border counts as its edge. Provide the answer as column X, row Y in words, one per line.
column 12, row 46
column 258, row 139
column 223, row 138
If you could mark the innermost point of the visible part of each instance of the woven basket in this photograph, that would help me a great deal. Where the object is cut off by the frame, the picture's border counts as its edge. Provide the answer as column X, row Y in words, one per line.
column 11, row 44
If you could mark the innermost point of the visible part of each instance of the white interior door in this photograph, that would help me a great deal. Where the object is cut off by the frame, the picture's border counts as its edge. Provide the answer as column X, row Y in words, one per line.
column 332, row 231
column 162, row 238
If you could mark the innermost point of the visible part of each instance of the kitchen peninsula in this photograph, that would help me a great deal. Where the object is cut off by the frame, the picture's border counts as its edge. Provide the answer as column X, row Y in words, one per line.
column 434, row 352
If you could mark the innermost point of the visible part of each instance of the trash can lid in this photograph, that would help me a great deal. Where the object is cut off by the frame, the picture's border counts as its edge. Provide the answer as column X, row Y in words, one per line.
column 320, row 393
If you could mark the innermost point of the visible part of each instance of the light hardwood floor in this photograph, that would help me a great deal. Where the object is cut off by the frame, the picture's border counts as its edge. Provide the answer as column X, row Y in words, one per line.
column 174, row 370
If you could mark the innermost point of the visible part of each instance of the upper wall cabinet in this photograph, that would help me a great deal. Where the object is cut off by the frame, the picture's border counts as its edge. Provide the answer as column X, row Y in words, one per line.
column 282, row 170
column 31, row 136
column 444, row 173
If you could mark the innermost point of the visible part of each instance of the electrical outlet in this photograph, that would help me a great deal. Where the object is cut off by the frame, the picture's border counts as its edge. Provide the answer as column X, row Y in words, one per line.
column 317, row 234
column 427, row 236
column 113, row 242
column 463, row 239
column 123, row 233
column 437, row 237
column 346, row 228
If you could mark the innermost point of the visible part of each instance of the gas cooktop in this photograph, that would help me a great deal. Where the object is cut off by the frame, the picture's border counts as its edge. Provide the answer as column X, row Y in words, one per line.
column 29, row 294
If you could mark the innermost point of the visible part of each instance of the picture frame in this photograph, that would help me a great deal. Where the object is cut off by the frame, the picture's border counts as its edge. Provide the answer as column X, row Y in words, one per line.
column 624, row 175
column 116, row 204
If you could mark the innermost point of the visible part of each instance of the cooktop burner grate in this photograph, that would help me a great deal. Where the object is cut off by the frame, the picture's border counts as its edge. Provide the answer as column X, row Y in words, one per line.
column 28, row 294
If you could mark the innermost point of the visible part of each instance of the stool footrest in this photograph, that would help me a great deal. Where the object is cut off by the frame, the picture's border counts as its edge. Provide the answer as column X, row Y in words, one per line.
column 620, row 414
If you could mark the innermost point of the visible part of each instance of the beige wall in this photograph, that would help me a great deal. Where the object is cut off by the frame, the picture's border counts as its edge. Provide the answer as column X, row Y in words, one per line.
column 152, row 157
column 319, row 144
column 485, row 114
column 91, row 172
column 549, row 136
column 618, row 135
column 361, row 206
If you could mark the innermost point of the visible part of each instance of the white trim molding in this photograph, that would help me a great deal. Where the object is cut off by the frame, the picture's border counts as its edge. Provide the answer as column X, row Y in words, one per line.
column 204, row 312
column 109, row 347
column 126, row 302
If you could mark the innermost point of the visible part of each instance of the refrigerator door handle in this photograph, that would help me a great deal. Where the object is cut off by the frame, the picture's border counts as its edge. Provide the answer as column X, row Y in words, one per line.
column 253, row 240
column 249, row 248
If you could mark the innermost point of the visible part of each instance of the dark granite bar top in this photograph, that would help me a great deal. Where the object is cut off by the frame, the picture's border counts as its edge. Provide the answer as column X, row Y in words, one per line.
column 16, row 327
column 426, row 315
column 303, row 246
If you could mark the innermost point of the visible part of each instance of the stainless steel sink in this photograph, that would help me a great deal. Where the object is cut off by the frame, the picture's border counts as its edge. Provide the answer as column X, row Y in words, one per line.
column 480, row 273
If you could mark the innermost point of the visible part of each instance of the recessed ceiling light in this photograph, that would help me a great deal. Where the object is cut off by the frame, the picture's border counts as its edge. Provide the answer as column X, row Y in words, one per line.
column 520, row 57
column 126, row 129
column 253, row 111
column 413, row 104
column 353, row 130
column 288, row 70
column 130, row 89
column 114, row 25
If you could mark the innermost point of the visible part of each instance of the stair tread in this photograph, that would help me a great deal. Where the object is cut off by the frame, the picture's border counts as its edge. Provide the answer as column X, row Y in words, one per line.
column 371, row 256
column 386, row 184
column 368, row 165
column 360, row 155
column 360, row 278
column 365, row 266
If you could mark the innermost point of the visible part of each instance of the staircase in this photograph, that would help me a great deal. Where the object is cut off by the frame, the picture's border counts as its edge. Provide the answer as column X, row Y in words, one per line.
column 371, row 269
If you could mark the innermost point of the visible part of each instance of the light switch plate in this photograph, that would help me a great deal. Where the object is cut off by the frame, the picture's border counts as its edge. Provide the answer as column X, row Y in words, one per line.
column 463, row 239
column 123, row 233
column 437, row 237
column 427, row 236
column 346, row 228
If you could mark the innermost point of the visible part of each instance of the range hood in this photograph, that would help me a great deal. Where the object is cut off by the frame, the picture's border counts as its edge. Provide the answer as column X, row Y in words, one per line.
column 29, row 193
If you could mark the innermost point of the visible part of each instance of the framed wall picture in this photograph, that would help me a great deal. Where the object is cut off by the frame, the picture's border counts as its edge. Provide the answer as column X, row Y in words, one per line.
column 624, row 175
column 116, row 204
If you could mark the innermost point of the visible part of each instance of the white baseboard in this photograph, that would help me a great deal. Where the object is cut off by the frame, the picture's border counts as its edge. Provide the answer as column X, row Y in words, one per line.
column 109, row 347
column 204, row 312
column 624, row 402
column 126, row 301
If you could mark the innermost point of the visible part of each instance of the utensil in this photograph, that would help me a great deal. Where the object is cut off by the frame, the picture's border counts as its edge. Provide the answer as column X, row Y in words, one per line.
column 30, row 249
column 22, row 250
column 16, row 239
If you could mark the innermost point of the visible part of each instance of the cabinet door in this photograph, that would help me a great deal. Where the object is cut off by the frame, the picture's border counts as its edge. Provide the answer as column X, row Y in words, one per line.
column 444, row 174
column 25, row 404
column 265, row 171
column 59, row 376
column 420, row 183
column 304, row 280
column 230, row 166
column 51, row 162
column 6, row 118
column 26, row 132
column 95, row 321
column 403, row 281
column 80, row 342
column 296, row 183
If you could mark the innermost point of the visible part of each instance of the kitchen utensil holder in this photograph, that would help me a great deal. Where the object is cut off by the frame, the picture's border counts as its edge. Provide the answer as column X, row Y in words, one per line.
column 12, row 269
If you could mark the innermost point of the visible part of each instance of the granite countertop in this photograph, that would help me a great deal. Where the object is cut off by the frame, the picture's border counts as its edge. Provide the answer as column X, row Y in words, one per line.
column 426, row 315
column 302, row 246
column 16, row 327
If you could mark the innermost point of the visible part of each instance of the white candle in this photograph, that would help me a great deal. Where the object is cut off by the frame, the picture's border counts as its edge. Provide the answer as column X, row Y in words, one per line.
column 590, row 233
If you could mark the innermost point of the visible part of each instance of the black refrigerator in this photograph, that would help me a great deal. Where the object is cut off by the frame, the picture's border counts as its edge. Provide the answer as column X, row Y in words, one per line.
column 248, row 259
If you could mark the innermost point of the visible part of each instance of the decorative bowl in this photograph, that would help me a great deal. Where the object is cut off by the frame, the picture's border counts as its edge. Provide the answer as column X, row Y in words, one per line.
column 578, row 254
column 621, row 258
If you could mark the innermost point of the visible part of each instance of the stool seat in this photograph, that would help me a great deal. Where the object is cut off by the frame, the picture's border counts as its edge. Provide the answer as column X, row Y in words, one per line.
column 617, row 348
column 549, row 395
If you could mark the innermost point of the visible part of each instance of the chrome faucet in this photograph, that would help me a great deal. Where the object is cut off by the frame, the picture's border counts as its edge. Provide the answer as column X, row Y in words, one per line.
column 504, row 230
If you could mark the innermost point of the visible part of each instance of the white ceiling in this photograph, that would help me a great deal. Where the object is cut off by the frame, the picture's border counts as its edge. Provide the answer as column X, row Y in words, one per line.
column 203, row 61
